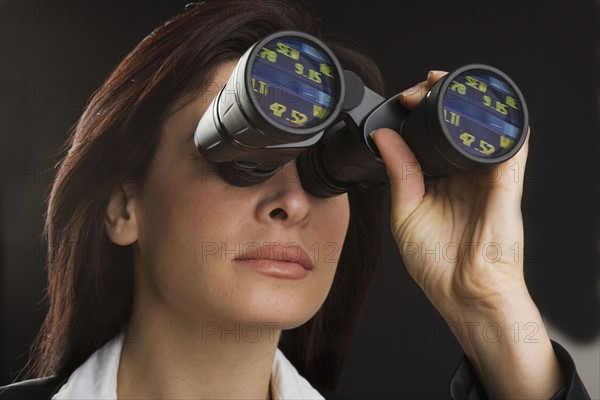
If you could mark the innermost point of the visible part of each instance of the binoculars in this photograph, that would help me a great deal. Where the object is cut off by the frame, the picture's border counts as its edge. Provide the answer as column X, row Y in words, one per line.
column 289, row 98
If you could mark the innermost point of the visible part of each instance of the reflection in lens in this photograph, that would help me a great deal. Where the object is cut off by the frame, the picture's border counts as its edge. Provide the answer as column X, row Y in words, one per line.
column 294, row 82
column 482, row 113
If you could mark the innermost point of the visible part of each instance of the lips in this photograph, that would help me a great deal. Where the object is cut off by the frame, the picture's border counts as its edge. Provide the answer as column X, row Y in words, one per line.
column 290, row 252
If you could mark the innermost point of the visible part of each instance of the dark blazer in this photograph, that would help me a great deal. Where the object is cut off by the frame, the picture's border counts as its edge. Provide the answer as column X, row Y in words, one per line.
column 463, row 385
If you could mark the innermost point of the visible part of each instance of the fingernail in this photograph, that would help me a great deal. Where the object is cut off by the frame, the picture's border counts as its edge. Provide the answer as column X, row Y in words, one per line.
column 372, row 133
column 432, row 72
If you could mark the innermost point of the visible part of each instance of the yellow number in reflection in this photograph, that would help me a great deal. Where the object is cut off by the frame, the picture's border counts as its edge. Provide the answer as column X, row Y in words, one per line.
column 458, row 87
column 269, row 55
column 501, row 108
column 298, row 118
column 486, row 148
column 512, row 102
column 487, row 101
column 467, row 138
column 278, row 109
column 326, row 70
column 314, row 76
column 476, row 84
column 319, row 111
column 505, row 142
column 288, row 51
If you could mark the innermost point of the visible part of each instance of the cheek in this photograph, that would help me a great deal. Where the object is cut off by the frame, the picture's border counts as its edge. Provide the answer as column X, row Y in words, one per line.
column 330, row 227
column 331, row 223
column 180, row 240
column 181, row 205
column 182, row 222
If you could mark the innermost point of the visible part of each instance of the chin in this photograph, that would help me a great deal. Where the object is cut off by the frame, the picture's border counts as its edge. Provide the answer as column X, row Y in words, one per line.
column 286, row 302
column 281, row 315
column 271, row 311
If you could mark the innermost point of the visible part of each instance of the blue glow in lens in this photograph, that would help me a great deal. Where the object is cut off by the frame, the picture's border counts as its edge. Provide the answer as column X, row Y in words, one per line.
column 482, row 113
column 294, row 82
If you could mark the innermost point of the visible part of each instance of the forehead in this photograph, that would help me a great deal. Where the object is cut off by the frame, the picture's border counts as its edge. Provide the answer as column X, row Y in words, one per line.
column 182, row 123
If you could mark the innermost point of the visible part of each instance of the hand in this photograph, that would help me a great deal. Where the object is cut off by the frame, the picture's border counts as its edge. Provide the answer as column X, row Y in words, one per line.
column 461, row 239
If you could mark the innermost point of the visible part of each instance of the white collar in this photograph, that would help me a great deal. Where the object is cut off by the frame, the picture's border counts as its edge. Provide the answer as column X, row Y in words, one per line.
column 96, row 378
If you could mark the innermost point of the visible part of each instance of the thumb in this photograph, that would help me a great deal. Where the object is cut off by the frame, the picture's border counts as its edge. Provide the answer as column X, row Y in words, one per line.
column 404, row 171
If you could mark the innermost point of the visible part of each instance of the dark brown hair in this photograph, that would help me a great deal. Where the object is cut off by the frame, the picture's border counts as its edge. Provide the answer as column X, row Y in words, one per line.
column 90, row 279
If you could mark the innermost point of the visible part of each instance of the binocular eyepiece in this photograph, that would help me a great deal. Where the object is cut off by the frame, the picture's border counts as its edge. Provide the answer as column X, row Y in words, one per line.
column 289, row 98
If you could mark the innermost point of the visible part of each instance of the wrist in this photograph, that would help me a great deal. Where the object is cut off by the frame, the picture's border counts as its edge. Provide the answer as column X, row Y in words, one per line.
column 510, row 349
column 501, row 304
column 508, row 320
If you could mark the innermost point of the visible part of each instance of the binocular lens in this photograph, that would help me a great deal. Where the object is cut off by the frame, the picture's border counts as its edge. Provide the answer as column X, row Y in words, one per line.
column 294, row 82
column 482, row 113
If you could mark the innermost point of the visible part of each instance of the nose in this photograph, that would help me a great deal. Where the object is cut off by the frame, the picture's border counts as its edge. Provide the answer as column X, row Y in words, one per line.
column 285, row 201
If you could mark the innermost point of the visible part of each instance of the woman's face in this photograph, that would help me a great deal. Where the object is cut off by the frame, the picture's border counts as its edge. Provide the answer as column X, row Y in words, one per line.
column 194, row 230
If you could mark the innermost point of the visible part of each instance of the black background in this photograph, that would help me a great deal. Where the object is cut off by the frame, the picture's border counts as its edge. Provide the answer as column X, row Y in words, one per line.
column 54, row 54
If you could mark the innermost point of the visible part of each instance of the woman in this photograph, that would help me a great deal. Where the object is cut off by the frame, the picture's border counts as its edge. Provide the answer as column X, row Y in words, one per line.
column 165, row 293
